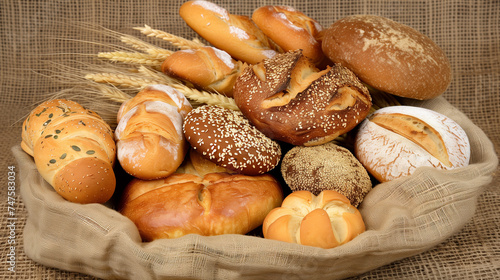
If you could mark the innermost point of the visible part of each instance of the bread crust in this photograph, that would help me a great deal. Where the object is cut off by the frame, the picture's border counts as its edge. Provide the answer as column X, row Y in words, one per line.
column 218, row 203
column 235, row 34
column 326, row 220
column 389, row 56
column 289, row 99
column 290, row 29
column 73, row 149
column 149, row 135
column 394, row 141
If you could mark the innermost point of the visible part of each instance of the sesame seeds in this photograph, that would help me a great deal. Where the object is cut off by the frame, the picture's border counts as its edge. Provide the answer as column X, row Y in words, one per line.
column 226, row 138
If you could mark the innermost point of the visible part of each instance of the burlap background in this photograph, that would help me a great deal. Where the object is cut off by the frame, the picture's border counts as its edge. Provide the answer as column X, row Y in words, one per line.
column 34, row 34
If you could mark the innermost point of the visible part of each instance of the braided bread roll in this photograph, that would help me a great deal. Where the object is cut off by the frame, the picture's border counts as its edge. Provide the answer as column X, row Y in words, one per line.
column 150, row 142
column 73, row 149
column 208, row 68
column 235, row 34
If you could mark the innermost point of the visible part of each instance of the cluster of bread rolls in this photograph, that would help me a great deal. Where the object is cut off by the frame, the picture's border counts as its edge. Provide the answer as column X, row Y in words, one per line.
column 298, row 87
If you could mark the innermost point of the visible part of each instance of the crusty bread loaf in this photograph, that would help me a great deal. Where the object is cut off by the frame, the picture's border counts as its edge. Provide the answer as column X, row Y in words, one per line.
column 394, row 141
column 73, row 149
column 235, row 34
column 218, row 203
column 289, row 99
column 150, row 142
column 290, row 29
column 207, row 67
column 326, row 221
column 389, row 56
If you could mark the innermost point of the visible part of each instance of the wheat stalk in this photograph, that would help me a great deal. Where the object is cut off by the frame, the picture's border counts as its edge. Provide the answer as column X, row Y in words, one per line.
column 133, row 58
column 119, row 80
column 177, row 41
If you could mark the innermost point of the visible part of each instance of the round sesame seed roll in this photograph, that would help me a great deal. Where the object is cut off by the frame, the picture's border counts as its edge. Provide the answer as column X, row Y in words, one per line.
column 289, row 99
column 226, row 138
column 73, row 149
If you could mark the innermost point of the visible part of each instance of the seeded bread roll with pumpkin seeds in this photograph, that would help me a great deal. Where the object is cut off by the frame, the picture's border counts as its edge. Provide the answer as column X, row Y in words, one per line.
column 73, row 149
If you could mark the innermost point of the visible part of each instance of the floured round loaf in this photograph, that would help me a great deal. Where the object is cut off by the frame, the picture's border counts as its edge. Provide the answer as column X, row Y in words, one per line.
column 388, row 56
column 394, row 141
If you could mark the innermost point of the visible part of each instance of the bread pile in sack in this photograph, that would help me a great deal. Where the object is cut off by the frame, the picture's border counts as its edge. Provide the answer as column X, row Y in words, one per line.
column 275, row 162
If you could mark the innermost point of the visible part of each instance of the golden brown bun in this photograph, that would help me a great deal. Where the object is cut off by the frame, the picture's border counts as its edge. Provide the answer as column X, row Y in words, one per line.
column 208, row 68
column 204, row 166
column 73, row 149
column 218, row 203
column 326, row 221
column 149, row 135
column 235, row 34
column 388, row 56
column 326, row 167
column 289, row 99
column 226, row 138
column 290, row 29
column 396, row 140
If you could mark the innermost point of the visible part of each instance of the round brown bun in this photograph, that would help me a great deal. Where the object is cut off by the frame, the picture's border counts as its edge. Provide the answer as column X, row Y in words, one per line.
column 388, row 56
column 217, row 203
column 394, row 141
column 290, row 29
column 290, row 100
column 326, row 221
column 326, row 167
column 226, row 138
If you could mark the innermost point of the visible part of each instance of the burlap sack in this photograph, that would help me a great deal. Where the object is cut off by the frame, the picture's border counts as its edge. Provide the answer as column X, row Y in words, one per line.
column 403, row 218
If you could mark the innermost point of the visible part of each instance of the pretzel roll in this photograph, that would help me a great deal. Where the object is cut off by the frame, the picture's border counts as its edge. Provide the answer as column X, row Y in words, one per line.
column 394, row 141
column 235, row 34
column 290, row 29
column 73, row 149
column 150, row 142
column 289, row 99
column 217, row 203
column 326, row 221
column 389, row 56
column 226, row 138
column 208, row 68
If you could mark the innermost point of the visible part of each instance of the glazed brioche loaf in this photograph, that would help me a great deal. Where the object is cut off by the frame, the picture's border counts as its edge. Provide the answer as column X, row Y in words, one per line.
column 326, row 221
column 73, row 149
column 217, row 203
column 207, row 67
column 235, row 34
column 149, row 138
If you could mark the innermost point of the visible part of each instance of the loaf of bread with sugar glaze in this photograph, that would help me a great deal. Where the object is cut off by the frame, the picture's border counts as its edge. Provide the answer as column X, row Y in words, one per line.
column 73, row 149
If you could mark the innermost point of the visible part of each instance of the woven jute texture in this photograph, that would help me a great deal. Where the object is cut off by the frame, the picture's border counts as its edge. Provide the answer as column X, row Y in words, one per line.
column 432, row 225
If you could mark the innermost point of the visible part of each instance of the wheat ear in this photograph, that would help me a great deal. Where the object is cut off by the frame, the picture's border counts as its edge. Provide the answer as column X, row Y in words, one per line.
column 177, row 41
column 133, row 58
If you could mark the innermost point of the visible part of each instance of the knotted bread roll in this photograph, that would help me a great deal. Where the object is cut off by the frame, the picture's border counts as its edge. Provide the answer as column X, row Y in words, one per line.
column 327, row 220
column 73, row 149
column 150, row 142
